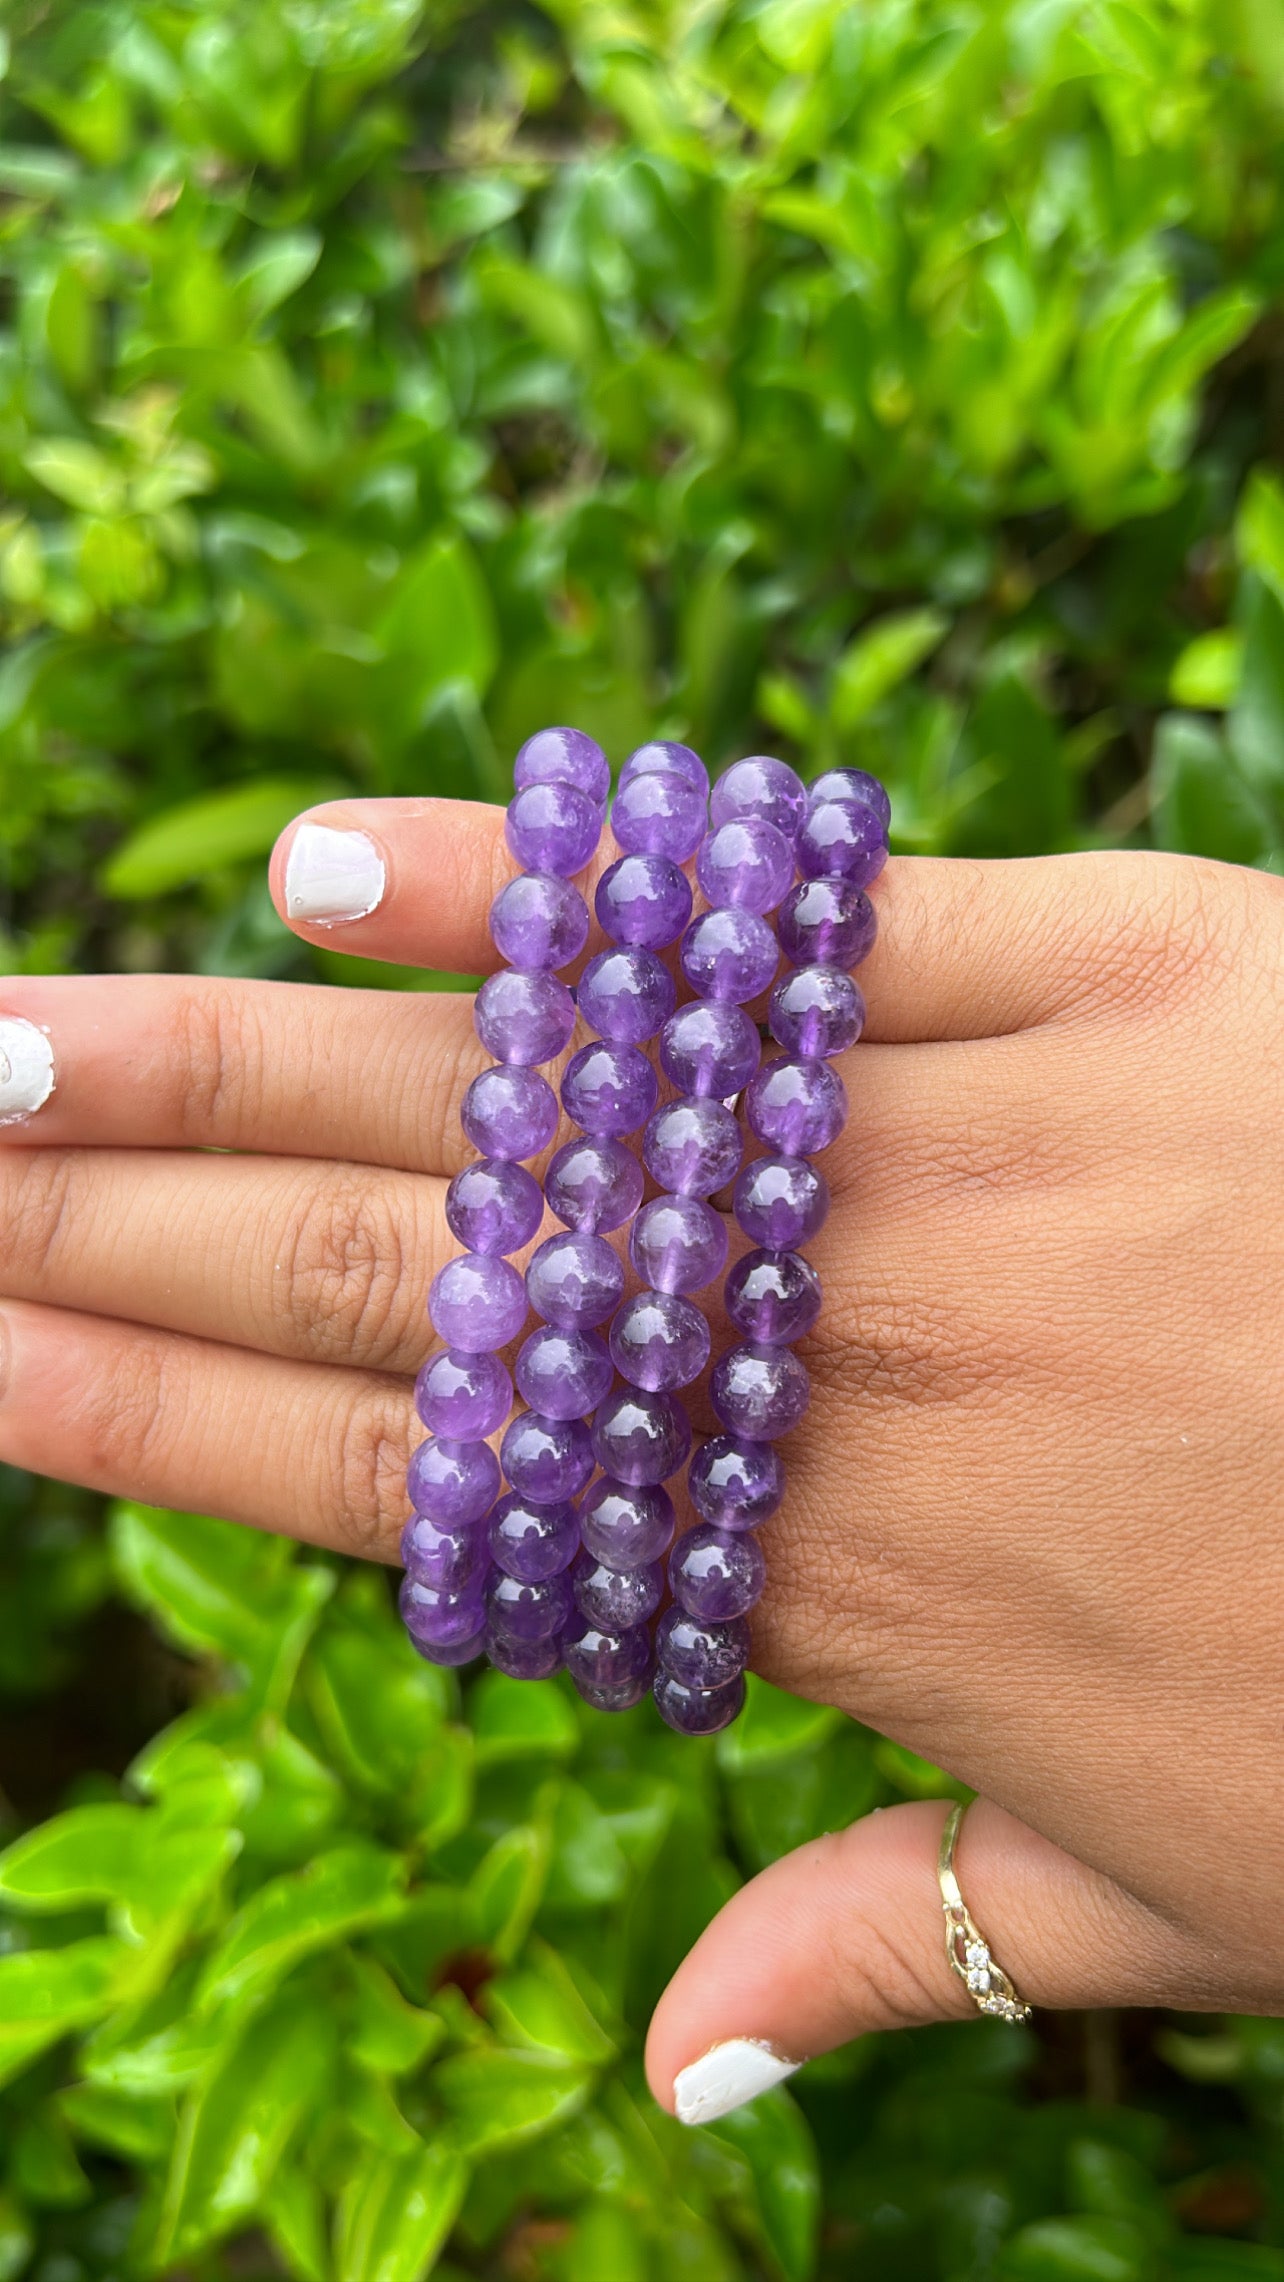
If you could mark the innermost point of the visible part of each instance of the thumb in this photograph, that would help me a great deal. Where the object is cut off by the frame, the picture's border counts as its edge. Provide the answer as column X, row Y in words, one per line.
column 848, row 1934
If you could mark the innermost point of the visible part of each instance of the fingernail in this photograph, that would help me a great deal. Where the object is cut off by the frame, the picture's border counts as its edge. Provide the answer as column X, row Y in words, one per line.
column 26, row 1068
column 332, row 876
column 726, row 2077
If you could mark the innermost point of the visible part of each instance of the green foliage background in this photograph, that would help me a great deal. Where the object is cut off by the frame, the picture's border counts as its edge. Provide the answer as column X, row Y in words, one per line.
column 899, row 383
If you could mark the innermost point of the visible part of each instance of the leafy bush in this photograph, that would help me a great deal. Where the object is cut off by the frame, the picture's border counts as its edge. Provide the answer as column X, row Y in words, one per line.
column 377, row 382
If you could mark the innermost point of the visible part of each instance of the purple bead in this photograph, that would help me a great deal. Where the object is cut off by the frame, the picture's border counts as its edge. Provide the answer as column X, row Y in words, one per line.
column 609, row 1090
column 852, row 784
column 494, row 1206
column 697, row 1711
column 678, row 1244
column 546, row 1458
column 439, row 1620
column 564, row 756
column 524, row 1659
column 827, row 923
column 626, row 1527
column 730, row 955
column 595, row 1185
column 575, row 1280
column 660, row 815
column 616, row 1599
column 524, row 1018
column 461, row 1652
column 463, row 1396
column 716, row 1574
column 781, row 1202
column 746, row 863
column 663, row 758
column 539, row 922
column 735, row 1484
column 530, row 1541
column 641, row 1438
column 453, row 1483
column 564, row 1374
column 477, row 1302
column 509, row 1113
column 760, row 1392
column 596, row 1658
column 618, row 1699
column 797, row 1107
column 625, row 994
column 761, row 787
column 552, row 828
column 644, row 900
column 517, row 1611
column 659, row 1341
column 450, row 1560
column 773, row 1298
column 710, row 1050
column 841, row 839
column 693, row 1148
column 701, row 1655
column 816, row 1012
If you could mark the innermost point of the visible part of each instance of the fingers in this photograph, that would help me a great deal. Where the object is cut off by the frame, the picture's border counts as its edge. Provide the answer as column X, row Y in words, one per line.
column 847, row 1935
column 315, row 1453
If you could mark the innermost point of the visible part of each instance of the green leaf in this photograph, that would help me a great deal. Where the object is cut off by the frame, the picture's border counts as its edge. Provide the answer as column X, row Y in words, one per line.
column 1208, row 670
column 518, row 1719
column 46, row 1993
column 78, row 473
column 214, row 1586
column 1256, row 721
column 385, row 2032
column 132, row 1858
column 138, row 2127
column 396, row 2212
column 1259, row 529
column 341, row 1893
column 277, row 268
column 205, row 835
column 539, row 2005
column 506, row 1887
column 498, row 2099
column 1201, row 804
column 294, row 2215
column 17, row 2238
column 772, row 2137
column 774, row 1725
column 1077, row 2250
column 879, row 660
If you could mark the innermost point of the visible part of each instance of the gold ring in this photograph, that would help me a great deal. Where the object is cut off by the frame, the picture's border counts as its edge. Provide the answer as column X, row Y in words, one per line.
column 967, row 1950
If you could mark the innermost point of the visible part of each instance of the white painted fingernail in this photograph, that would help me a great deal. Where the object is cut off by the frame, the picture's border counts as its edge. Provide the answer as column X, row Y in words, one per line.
column 726, row 2077
column 332, row 876
column 26, row 1068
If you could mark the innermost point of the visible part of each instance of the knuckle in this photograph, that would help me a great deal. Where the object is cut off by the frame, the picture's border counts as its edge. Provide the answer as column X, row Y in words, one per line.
column 371, row 1449
column 126, row 1409
column 39, row 1188
column 1171, row 928
column 218, row 1063
column 348, row 1287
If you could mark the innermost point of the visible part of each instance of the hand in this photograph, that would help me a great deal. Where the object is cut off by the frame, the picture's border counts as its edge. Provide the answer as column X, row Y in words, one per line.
column 1031, row 1526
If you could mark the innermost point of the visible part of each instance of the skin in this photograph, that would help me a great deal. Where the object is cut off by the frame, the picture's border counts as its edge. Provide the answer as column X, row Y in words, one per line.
column 1032, row 1527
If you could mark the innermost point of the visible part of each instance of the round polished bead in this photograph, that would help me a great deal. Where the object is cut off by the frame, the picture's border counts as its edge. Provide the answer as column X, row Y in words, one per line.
column 760, row 1392
column 697, row 1711
column 450, row 1560
column 816, row 1012
column 598, row 1658
column 462, row 1395
column 524, row 1018
column 575, row 1280
column 797, row 1107
column 609, row 1090
column 693, row 1148
column 539, row 922
column 546, row 1458
column 663, row 758
column 701, row 1655
column 852, row 784
column 615, row 1699
column 564, row 756
column 477, row 1302
column 531, row 1541
column 659, row 814
column 552, row 828
column 763, row 787
column 564, row 1374
column 735, row 1484
column 710, row 1050
column 626, row 1527
column 678, row 1244
column 781, row 1201
column 640, row 1438
column 841, row 839
column 644, row 900
column 595, row 1185
column 509, row 1113
column 659, row 1341
column 716, row 1574
column 524, row 1659
column 625, row 994
column 451, row 1656
column 517, row 1611
column 729, row 955
column 616, row 1599
column 827, row 923
column 452, row 1482
column 494, row 1206
column 773, row 1298
column 746, row 863
column 439, row 1620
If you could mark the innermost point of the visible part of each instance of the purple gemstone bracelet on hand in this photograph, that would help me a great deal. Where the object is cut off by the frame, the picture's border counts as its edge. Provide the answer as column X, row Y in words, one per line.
column 558, row 1569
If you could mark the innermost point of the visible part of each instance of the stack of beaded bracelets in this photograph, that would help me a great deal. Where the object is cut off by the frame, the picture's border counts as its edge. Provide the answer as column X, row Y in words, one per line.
column 559, row 1569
